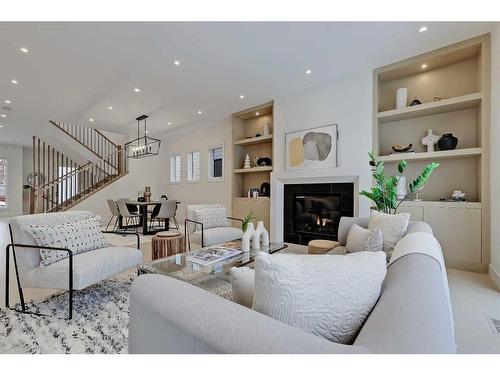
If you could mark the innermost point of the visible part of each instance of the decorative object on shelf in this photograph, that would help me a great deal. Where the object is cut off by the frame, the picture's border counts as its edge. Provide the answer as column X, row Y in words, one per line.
column 247, row 162
column 264, row 162
column 263, row 233
column 310, row 149
column 415, row 101
column 144, row 146
column 417, row 199
column 430, row 140
column 247, row 237
column 401, row 190
column 438, row 98
column 266, row 130
column 402, row 98
column 256, row 236
column 253, row 193
column 255, row 160
column 147, row 194
column 141, row 199
column 402, row 148
column 458, row 195
column 247, row 220
column 257, row 135
column 265, row 189
column 448, row 142
column 384, row 193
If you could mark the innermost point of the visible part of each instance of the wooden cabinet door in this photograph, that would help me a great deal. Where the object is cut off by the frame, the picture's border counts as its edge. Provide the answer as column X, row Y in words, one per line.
column 417, row 213
column 458, row 230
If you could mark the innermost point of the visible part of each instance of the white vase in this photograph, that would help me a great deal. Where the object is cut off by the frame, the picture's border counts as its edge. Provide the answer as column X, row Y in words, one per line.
column 401, row 190
column 247, row 236
column 256, row 236
column 267, row 129
column 401, row 98
column 264, row 234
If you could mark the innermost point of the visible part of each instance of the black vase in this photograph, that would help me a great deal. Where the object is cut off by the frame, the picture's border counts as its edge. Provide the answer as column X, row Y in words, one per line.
column 448, row 142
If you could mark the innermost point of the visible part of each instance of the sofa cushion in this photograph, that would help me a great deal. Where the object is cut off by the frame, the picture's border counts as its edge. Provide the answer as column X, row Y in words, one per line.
column 78, row 236
column 329, row 296
column 214, row 236
column 211, row 217
column 361, row 239
column 89, row 268
column 393, row 228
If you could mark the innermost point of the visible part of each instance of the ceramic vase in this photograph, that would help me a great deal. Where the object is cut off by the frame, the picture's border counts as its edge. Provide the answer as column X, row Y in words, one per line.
column 448, row 142
column 267, row 129
column 401, row 189
column 247, row 236
column 256, row 237
column 264, row 234
column 401, row 98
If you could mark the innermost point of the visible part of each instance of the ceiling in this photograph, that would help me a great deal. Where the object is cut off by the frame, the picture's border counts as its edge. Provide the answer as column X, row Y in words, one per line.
column 75, row 71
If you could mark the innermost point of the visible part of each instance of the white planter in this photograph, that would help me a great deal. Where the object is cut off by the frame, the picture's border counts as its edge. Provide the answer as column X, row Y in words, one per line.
column 264, row 234
column 401, row 98
column 247, row 236
column 256, row 237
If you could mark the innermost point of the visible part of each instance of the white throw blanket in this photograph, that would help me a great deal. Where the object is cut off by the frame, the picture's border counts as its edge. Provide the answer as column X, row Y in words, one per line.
column 426, row 244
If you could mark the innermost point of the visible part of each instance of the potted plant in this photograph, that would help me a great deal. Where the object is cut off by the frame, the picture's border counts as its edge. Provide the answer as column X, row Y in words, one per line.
column 384, row 193
column 246, row 220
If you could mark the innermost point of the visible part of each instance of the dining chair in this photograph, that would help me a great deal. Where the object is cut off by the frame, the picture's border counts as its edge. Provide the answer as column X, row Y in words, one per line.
column 166, row 211
column 115, row 214
column 127, row 215
column 132, row 208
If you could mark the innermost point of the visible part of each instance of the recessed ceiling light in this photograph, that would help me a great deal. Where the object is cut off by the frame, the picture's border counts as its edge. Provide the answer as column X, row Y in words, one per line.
column 1, row 126
column 137, row 90
column 24, row 49
column 308, row 71
column 147, row 131
column 14, row 81
column 422, row 29
column 169, row 123
column 177, row 62
column 424, row 66
column 200, row 112
column 91, row 119
column 110, row 107
column 257, row 113
column 242, row 96
column 7, row 101
column 3, row 115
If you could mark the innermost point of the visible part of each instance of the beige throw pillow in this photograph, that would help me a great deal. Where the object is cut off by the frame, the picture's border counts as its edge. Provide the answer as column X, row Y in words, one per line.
column 393, row 228
column 361, row 239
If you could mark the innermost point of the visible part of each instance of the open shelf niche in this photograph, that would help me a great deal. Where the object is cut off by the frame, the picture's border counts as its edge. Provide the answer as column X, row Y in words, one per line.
column 459, row 77
column 249, row 139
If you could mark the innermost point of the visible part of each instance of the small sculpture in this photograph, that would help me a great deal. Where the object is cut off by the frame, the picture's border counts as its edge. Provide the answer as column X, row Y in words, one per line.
column 247, row 236
column 415, row 102
column 458, row 195
column 430, row 140
column 402, row 148
column 247, row 162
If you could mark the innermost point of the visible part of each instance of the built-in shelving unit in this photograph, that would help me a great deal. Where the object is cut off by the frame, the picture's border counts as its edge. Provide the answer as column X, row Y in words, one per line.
column 459, row 77
column 249, row 138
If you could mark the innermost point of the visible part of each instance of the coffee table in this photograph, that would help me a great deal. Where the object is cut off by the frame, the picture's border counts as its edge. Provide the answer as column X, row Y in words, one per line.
column 179, row 267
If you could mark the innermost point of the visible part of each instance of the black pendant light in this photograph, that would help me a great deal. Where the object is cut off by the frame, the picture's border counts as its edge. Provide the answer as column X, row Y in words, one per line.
column 144, row 146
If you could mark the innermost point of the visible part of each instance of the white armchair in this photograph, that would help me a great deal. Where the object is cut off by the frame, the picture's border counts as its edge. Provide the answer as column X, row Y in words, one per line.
column 207, row 225
column 75, row 272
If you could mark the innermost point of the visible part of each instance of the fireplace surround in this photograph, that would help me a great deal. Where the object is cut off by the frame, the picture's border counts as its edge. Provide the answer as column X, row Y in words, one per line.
column 313, row 211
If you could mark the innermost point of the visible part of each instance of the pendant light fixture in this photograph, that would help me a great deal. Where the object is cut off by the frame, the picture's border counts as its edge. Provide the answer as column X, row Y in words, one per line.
column 144, row 146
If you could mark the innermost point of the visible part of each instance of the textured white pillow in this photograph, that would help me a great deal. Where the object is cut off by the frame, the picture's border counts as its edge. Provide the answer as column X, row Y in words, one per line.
column 211, row 217
column 78, row 236
column 361, row 239
column 243, row 285
column 393, row 228
column 328, row 295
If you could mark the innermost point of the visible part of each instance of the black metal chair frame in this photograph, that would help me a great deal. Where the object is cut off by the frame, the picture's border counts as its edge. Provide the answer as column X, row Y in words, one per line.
column 186, row 232
column 20, row 289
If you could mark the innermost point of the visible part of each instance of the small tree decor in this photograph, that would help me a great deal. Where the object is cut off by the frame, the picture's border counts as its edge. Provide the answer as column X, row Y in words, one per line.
column 384, row 193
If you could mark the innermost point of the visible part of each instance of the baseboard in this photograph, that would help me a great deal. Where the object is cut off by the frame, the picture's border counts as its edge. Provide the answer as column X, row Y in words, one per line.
column 494, row 275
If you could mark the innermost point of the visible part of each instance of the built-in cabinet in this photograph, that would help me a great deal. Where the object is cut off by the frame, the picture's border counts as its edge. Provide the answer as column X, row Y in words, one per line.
column 453, row 85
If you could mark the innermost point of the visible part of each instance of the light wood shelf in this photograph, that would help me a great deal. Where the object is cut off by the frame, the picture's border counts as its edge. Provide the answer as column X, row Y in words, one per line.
column 423, row 203
column 253, row 170
column 251, row 199
column 255, row 140
column 436, row 155
column 433, row 108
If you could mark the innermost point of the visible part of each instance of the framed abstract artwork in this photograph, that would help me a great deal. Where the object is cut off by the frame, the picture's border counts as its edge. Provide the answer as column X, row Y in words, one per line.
column 312, row 148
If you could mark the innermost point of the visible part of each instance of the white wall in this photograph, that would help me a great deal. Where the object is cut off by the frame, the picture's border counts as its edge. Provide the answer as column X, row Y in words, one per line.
column 346, row 102
column 494, row 269
column 14, row 155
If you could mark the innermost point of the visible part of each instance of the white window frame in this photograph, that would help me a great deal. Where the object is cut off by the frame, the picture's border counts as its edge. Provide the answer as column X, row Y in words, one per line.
column 189, row 162
column 6, row 207
column 172, row 156
column 210, row 163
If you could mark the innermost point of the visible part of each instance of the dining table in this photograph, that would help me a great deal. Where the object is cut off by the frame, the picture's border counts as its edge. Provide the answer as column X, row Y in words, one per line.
column 143, row 212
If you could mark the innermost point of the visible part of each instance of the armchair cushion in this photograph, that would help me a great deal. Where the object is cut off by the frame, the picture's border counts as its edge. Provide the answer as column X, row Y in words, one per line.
column 211, row 217
column 215, row 236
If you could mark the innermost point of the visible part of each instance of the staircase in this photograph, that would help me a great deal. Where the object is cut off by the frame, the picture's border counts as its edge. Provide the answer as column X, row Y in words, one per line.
column 60, row 182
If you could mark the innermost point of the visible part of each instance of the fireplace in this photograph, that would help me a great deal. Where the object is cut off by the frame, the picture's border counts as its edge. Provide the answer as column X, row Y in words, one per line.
column 313, row 211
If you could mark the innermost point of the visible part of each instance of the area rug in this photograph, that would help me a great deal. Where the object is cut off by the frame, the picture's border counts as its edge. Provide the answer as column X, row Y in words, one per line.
column 99, row 324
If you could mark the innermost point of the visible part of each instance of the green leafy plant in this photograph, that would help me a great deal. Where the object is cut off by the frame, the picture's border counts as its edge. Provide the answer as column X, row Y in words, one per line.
column 246, row 220
column 384, row 193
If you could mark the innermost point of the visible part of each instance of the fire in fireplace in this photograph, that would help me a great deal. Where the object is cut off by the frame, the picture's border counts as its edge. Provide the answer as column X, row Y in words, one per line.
column 317, row 213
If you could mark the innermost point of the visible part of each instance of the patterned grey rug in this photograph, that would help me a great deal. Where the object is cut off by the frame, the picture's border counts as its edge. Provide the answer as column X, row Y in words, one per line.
column 99, row 324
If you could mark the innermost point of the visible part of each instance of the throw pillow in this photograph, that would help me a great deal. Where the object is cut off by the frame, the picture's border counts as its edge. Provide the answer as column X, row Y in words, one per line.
column 78, row 236
column 361, row 239
column 328, row 295
column 211, row 217
column 393, row 228
column 243, row 285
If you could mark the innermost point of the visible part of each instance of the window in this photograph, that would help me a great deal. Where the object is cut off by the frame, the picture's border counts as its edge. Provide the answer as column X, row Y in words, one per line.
column 175, row 168
column 193, row 166
column 3, row 183
column 216, row 163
